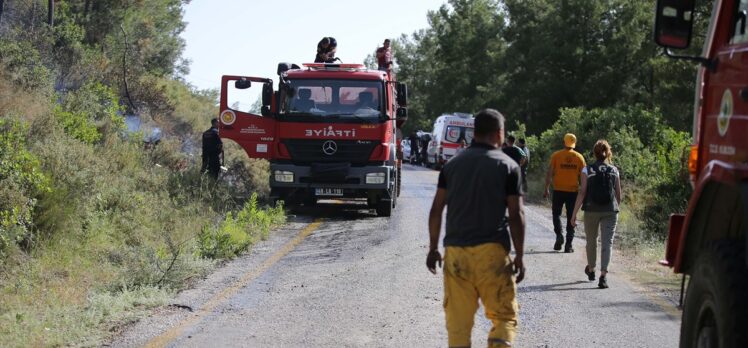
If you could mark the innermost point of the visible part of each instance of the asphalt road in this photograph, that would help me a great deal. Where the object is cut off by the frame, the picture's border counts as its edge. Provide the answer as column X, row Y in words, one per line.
column 338, row 276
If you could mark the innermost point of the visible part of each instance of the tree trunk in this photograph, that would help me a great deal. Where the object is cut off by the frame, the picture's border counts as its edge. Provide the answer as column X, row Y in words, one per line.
column 1, row 8
column 51, row 12
column 86, row 7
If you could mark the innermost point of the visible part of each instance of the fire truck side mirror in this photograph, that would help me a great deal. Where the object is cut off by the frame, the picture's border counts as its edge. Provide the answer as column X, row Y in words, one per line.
column 242, row 84
column 402, row 94
column 402, row 114
column 674, row 23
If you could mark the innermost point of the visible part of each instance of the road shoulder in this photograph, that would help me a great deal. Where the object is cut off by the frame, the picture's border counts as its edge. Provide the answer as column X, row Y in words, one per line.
column 188, row 303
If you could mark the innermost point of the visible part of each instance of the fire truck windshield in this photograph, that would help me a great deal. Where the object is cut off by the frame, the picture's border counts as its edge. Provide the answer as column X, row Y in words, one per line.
column 333, row 100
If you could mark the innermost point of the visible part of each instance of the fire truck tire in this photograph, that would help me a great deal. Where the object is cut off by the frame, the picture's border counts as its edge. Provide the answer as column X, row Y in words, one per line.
column 384, row 207
column 399, row 180
column 716, row 307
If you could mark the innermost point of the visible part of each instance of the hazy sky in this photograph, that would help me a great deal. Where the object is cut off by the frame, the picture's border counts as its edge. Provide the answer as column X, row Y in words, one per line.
column 250, row 37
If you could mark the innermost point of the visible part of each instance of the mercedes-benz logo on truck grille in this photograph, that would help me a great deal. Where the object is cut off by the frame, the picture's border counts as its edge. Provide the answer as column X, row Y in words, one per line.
column 329, row 148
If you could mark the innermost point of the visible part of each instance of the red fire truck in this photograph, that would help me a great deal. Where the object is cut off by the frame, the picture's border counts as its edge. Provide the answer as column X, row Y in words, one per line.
column 329, row 131
column 708, row 243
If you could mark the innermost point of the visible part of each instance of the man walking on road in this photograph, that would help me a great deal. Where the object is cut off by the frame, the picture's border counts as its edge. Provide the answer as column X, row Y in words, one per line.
column 523, row 145
column 478, row 187
column 514, row 152
column 565, row 171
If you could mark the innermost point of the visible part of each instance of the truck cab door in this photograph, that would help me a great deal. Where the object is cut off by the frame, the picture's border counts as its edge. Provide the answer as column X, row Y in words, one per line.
column 246, row 116
column 726, row 98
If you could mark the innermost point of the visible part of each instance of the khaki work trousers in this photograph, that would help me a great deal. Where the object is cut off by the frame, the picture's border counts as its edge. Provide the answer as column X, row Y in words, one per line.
column 605, row 223
column 479, row 272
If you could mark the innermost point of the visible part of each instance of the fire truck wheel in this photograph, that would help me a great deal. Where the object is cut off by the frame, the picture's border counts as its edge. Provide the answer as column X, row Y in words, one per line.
column 716, row 307
column 384, row 207
column 399, row 180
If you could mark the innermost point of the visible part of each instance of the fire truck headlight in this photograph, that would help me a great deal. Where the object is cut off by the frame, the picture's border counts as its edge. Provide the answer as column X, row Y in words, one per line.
column 375, row 178
column 283, row 176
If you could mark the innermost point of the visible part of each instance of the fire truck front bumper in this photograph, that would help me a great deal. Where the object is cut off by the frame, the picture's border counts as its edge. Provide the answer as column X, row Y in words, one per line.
column 331, row 179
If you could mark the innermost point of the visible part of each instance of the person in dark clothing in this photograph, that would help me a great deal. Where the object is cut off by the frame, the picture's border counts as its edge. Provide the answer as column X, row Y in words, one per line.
column 425, row 148
column 515, row 153
column 212, row 150
column 413, row 139
column 326, row 49
column 522, row 144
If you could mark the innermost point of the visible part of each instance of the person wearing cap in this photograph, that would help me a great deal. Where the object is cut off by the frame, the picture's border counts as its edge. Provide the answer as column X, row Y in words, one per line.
column 565, row 171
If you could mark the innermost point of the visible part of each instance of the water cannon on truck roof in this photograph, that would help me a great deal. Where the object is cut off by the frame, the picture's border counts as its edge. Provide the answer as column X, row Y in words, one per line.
column 330, row 131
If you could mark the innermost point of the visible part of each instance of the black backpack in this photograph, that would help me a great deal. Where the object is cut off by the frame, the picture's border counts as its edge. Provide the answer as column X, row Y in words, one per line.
column 601, row 182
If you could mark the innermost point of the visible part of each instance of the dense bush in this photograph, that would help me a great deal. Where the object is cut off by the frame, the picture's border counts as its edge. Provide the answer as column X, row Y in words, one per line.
column 22, row 63
column 21, row 181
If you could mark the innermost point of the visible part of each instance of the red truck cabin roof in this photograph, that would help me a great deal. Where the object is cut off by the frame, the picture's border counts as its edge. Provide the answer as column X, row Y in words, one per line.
column 333, row 71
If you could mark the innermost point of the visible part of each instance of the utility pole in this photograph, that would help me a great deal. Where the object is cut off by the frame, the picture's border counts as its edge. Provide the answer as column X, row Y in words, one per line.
column 51, row 12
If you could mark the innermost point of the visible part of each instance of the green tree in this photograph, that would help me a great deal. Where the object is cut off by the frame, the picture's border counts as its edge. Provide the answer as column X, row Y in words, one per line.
column 454, row 64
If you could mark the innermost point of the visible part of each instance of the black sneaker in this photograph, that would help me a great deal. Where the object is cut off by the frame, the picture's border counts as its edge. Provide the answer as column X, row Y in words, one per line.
column 590, row 275
column 603, row 284
column 569, row 249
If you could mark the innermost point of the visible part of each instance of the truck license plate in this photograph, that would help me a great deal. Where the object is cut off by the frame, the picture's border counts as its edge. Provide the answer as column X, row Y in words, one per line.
column 335, row 192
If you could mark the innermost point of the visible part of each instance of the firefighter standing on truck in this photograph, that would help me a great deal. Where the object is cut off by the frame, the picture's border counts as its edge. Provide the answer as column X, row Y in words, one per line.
column 479, row 186
column 212, row 150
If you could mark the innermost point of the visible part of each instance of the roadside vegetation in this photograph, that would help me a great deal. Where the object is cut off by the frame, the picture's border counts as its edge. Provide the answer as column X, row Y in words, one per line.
column 557, row 66
column 96, row 226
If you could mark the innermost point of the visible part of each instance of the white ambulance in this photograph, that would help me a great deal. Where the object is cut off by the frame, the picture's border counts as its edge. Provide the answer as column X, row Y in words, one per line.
column 449, row 131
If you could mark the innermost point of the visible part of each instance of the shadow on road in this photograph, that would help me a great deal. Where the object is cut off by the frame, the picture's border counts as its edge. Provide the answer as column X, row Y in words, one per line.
column 557, row 287
column 542, row 252
column 417, row 168
column 332, row 210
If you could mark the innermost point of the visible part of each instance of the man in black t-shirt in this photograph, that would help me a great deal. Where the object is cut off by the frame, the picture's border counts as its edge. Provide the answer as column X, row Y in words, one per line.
column 212, row 150
column 518, row 155
column 414, row 152
column 513, row 151
column 478, row 187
